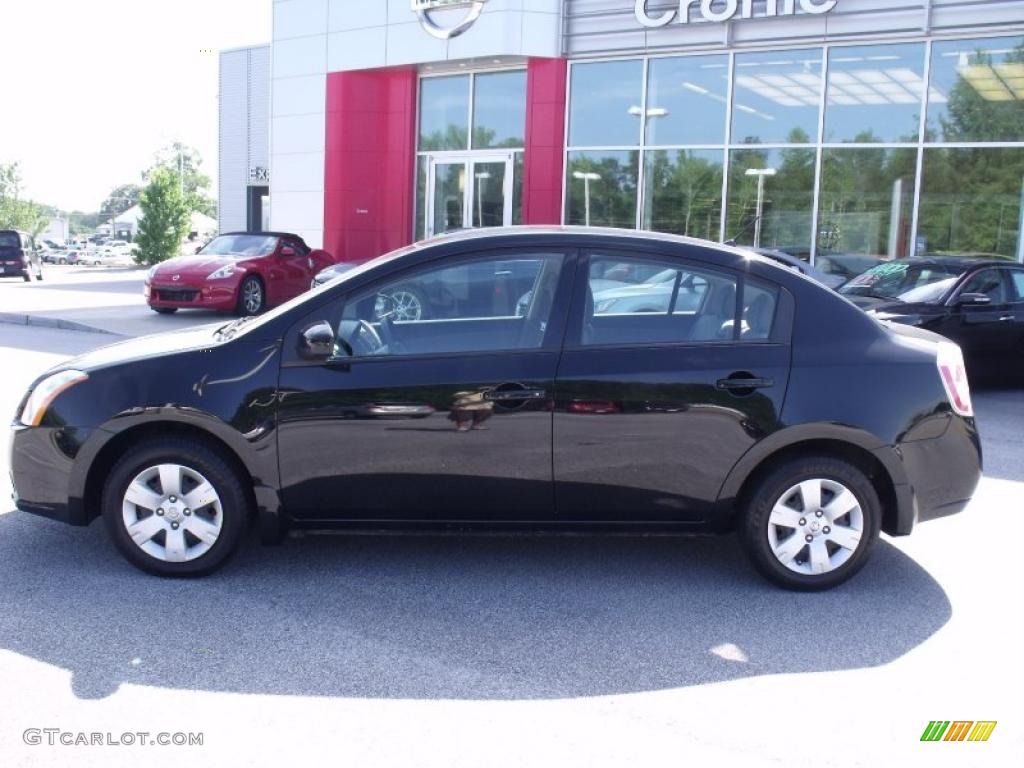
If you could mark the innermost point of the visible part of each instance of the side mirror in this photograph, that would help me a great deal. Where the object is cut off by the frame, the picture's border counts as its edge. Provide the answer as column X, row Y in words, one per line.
column 287, row 250
column 973, row 300
column 317, row 341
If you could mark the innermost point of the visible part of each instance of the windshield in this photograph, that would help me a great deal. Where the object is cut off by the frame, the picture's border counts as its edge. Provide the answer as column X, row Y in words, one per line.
column 240, row 246
column 9, row 240
column 895, row 280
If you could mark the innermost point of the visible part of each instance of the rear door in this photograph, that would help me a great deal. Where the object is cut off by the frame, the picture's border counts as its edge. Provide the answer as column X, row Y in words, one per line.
column 658, row 397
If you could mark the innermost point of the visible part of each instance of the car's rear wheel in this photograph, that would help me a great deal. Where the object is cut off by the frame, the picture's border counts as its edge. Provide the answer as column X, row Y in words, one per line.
column 165, row 310
column 811, row 523
column 175, row 507
column 252, row 298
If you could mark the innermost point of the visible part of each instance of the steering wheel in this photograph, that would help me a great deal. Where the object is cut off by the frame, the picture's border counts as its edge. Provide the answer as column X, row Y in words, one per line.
column 365, row 339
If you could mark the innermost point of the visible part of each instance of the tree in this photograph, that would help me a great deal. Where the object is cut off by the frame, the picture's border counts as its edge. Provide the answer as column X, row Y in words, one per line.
column 15, row 213
column 120, row 200
column 195, row 185
column 165, row 218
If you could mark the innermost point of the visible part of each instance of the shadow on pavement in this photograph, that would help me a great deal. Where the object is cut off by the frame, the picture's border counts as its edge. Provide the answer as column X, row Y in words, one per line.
column 456, row 617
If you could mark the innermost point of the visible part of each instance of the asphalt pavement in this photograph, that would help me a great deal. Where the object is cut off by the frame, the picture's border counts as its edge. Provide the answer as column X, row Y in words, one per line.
column 513, row 650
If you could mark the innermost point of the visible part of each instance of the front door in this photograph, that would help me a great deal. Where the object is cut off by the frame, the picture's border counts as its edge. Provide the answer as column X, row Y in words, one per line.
column 443, row 415
column 984, row 332
column 468, row 191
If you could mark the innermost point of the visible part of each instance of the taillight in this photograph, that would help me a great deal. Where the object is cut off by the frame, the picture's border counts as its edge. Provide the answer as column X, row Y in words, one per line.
column 954, row 378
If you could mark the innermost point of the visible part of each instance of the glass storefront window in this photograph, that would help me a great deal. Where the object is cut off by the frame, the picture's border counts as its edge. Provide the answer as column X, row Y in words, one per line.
column 777, row 97
column 606, row 104
column 683, row 192
column 422, row 164
column 866, row 208
column 977, row 90
column 874, row 93
column 780, row 184
column 601, row 189
column 499, row 107
column 971, row 201
column 686, row 100
column 444, row 113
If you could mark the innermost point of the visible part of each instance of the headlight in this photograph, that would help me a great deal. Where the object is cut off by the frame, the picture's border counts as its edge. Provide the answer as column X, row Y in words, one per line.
column 226, row 271
column 46, row 392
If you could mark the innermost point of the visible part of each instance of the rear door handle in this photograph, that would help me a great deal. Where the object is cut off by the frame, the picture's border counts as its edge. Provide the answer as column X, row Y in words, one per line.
column 516, row 394
column 735, row 384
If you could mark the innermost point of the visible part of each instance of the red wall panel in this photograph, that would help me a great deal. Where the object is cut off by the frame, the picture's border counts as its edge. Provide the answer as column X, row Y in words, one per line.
column 545, row 141
column 370, row 162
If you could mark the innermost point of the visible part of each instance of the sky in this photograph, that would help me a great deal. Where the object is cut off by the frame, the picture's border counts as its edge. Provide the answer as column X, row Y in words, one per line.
column 91, row 89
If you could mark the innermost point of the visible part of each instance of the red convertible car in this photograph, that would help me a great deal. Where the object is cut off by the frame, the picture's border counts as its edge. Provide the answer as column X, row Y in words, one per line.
column 242, row 272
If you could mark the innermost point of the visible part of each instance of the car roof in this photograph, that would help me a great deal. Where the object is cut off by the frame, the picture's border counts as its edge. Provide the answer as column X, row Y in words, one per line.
column 956, row 261
column 262, row 234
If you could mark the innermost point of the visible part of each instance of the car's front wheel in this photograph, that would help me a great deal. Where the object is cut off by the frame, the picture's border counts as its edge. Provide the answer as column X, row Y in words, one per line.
column 811, row 523
column 175, row 507
column 252, row 299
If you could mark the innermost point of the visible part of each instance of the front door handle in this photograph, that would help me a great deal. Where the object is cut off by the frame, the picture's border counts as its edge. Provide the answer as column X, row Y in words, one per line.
column 732, row 385
column 506, row 395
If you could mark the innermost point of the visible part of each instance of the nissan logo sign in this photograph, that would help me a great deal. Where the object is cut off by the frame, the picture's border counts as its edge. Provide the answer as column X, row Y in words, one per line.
column 727, row 10
column 424, row 8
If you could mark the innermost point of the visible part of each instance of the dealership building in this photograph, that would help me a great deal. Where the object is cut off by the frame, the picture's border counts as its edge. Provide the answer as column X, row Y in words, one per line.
column 844, row 131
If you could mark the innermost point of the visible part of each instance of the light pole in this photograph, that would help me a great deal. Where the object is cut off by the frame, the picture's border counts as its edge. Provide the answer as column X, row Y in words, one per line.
column 481, row 177
column 586, row 178
column 761, row 174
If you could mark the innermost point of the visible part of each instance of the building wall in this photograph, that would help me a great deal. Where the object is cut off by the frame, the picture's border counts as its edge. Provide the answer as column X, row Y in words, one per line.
column 244, row 141
column 599, row 27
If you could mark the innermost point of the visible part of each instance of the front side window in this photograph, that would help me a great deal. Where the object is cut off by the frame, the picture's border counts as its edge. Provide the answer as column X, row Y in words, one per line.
column 988, row 282
column 637, row 301
column 490, row 304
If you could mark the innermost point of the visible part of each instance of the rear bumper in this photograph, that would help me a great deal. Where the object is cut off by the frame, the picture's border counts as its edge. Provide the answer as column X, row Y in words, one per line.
column 942, row 474
column 176, row 296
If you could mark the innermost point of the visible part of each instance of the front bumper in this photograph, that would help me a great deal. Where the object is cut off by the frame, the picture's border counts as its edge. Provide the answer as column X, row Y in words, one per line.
column 184, row 296
column 42, row 461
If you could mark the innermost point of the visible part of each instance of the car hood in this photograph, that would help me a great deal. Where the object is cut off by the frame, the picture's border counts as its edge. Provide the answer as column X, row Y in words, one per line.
column 186, row 340
column 888, row 307
column 195, row 266
column 334, row 271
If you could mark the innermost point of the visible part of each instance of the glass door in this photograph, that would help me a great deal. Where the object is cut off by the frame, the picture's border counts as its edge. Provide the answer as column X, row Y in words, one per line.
column 468, row 191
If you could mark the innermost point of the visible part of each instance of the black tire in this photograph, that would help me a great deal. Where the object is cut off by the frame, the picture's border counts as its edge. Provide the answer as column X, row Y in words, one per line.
column 754, row 520
column 241, row 308
column 165, row 310
column 198, row 456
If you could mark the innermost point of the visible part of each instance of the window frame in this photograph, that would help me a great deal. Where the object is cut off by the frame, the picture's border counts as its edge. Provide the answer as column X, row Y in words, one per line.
column 333, row 311
column 782, row 325
column 961, row 289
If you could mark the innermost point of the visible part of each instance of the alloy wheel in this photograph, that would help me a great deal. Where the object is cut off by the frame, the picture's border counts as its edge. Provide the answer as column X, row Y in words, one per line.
column 252, row 296
column 815, row 527
column 406, row 306
column 172, row 513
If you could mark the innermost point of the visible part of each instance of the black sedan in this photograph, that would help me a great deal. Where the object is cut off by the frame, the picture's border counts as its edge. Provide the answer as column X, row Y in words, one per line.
column 763, row 403
column 976, row 302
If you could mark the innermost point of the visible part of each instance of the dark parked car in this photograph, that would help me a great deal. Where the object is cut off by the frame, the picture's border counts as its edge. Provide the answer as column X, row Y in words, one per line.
column 241, row 272
column 754, row 409
column 976, row 302
column 19, row 256
column 803, row 267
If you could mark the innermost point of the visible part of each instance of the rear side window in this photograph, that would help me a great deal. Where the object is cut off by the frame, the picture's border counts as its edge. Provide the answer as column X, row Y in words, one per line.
column 760, row 301
column 1017, row 279
column 638, row 301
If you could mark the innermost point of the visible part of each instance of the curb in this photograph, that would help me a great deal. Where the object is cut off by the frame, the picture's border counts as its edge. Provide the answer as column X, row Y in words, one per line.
column 51, row 322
